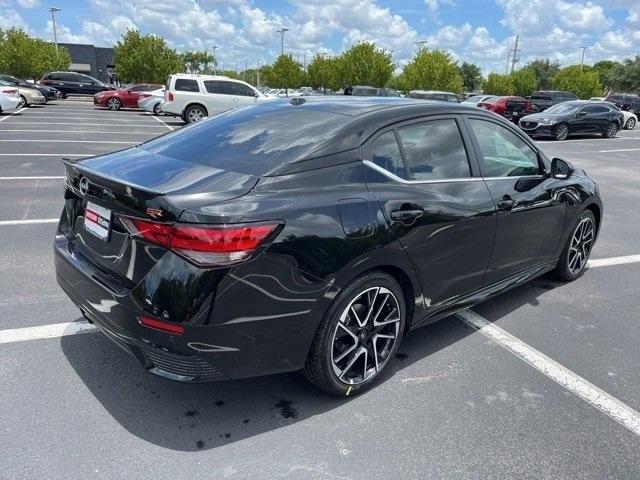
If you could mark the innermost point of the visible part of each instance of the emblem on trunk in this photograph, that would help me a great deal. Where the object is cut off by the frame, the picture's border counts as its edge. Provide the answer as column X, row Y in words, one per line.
column 154, row 212
column 83, row 185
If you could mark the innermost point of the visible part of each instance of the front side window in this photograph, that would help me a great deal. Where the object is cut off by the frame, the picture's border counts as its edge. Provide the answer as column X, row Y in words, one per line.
column 385, row 153
column 503, row 153
column 242, row 90
column 186, row 85
column 434, row 150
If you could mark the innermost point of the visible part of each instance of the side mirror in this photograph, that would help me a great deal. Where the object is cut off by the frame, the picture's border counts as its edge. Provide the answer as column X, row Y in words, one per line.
column 560, row 169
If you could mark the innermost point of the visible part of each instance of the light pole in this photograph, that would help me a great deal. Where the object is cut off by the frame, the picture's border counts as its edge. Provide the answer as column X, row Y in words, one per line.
column 214, row 59
column 53, row 11
column 282, row 31
column 582, row 57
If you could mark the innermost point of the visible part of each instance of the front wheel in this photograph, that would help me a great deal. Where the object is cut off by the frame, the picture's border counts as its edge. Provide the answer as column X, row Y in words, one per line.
column 611, row 130
column 575, row 254
column 631, row 124
column 561, row 132
column 358, row 337
column 114, row 104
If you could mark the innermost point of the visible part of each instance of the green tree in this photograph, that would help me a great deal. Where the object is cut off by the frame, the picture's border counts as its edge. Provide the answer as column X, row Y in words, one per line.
column 585, row 83
column 471, row 76
column 364, row 64
column 27, row 57
column 604, row 69
column 625, row 77
column 285, row 73
column 197, row 62
column 497, row 84
column 524, row 81
column 145, row 58
column 544, row 71
column 322, row 73
column 431, row 70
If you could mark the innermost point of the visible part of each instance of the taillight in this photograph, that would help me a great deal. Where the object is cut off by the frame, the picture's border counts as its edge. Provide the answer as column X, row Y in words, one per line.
column 143, row 95
column 204, row 245
column 162, row 325
column 168, row 96
column 10, row 90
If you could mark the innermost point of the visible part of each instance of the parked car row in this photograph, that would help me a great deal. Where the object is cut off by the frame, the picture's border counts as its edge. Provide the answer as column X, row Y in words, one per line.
column 27, row 93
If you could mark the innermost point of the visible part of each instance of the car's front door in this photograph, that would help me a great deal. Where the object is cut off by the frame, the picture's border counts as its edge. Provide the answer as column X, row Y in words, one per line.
column 531, row 212
column 130, row 96
column 427, row 182
column 243, row 95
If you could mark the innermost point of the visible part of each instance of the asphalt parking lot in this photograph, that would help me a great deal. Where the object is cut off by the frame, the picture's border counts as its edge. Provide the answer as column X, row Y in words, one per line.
column 459, row 403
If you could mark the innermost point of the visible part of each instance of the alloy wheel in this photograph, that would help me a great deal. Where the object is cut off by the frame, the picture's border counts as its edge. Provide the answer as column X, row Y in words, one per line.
column 631, row 124
column 612, row 129
column 195, row 115
column 562, row 131
column 580, row 246
column 23, row 102
column 365, row 335
column 113, row 104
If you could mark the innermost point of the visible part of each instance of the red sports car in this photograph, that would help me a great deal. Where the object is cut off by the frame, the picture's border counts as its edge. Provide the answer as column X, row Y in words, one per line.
column 126, row 97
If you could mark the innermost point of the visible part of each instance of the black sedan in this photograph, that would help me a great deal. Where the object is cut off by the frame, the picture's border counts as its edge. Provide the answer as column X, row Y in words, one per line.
column 575, row 117
column 313, row 234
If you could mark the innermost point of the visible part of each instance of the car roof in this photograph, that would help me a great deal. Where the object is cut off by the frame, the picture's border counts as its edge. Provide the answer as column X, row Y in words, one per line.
column 204, row 77
column 431, row 91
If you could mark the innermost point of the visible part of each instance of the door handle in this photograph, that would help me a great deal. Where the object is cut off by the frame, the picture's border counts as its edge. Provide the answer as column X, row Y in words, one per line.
column 506, row 204
column 405, row 215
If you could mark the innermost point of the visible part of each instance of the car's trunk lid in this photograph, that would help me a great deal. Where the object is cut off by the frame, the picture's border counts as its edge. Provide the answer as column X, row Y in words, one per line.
column 135, row 183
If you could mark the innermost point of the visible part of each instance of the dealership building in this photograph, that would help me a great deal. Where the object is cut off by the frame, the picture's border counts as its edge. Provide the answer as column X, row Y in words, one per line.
column 91, row 60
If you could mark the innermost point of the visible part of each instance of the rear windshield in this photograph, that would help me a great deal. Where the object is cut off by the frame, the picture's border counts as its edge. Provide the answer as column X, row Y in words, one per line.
column 252, row 140
column 540, row 96
column 566, row 107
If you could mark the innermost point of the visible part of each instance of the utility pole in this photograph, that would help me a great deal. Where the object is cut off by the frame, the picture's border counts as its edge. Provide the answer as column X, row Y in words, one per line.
column 282, row 31
column 506, row 70
column 515, row 58
column 214, row 59
column 244, row 74
column 258, row 75
column 582, row 58
column 53, row 11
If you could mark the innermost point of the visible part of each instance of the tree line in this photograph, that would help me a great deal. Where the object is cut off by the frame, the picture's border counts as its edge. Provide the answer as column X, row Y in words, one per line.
column 148, row 58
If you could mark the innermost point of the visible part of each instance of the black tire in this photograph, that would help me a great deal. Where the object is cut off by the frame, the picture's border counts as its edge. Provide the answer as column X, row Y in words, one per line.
column 23, row 102
column 194, row 113
column 320, row 368
column 564, row 270
column 631, row 124
column 113, row 104
column 611, row 131
column 561, row 132
column 156, row 109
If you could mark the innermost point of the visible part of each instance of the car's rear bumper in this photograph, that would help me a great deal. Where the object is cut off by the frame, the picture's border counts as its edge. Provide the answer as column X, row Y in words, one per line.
column 10, row 103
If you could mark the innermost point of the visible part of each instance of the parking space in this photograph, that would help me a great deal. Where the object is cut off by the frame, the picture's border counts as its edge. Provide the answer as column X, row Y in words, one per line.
column 457, row 403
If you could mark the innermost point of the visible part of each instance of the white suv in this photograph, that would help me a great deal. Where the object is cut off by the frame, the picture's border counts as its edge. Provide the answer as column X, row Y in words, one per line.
column 194, row 97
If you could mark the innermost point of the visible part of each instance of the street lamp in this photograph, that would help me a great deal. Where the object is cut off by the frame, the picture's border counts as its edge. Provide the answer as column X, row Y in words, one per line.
column 53, row 11
column 282, row 31
column 420, row 44
column 214, row 59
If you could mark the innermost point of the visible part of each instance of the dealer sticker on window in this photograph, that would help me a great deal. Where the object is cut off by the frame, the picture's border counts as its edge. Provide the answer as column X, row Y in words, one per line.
column 97, row 220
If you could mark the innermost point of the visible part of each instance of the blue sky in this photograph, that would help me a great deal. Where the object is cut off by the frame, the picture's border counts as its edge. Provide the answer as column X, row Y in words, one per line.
column 481, row 31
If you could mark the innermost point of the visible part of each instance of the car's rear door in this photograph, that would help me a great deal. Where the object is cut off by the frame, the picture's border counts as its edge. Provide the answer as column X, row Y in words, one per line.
column 530, row 212
column 219, row 96
column 427, row 182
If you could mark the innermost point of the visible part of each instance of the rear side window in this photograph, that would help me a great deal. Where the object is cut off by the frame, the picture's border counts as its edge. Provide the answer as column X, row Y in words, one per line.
column 540, row 96
column 386, row 154
column 595, row 109
column 216, row 86
column 186, row 85
column 434, row 150
column 503, row 153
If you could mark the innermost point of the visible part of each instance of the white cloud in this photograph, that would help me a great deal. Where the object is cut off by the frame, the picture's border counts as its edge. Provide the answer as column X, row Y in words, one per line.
column 29, row 3
column 11, row 18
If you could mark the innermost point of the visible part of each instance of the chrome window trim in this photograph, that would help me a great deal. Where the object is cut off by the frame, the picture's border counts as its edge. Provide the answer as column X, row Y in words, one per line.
column 391, row 176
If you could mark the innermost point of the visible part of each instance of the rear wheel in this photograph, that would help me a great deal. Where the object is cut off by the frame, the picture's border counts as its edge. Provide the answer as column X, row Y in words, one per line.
column 358, row 337
column 631, row 124
column 114, row 104
column 561, row 132
column 194, row 113
column 611, row 130
column 156, row 109
column 575, row 255
column 23, row 102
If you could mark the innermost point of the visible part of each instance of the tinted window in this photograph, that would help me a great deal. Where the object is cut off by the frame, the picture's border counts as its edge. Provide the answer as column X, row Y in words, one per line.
column 186, row 85
column 138, row 88
column 434, row 150
column 242, row 89
column 540, row 96
column 504, row 154
column 216, row 86
column 252, row 140
column 595, row 109
column 386, row 154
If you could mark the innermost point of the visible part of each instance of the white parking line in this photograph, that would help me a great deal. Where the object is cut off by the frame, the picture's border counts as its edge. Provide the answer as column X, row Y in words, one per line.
column 12, row 114
column 606, row 262
column 35, row 221
column 45, row 331
column 47, row 154
column 593, row 395
column 64, row 141
column 119, row 132
column 110, row 124
column 596, row 139
column 619, row 150
column 31, row 178
column 158, row 119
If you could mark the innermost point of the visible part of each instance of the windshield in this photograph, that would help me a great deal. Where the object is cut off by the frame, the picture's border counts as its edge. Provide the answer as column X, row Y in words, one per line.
column 474, row 99
column 566, row 107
